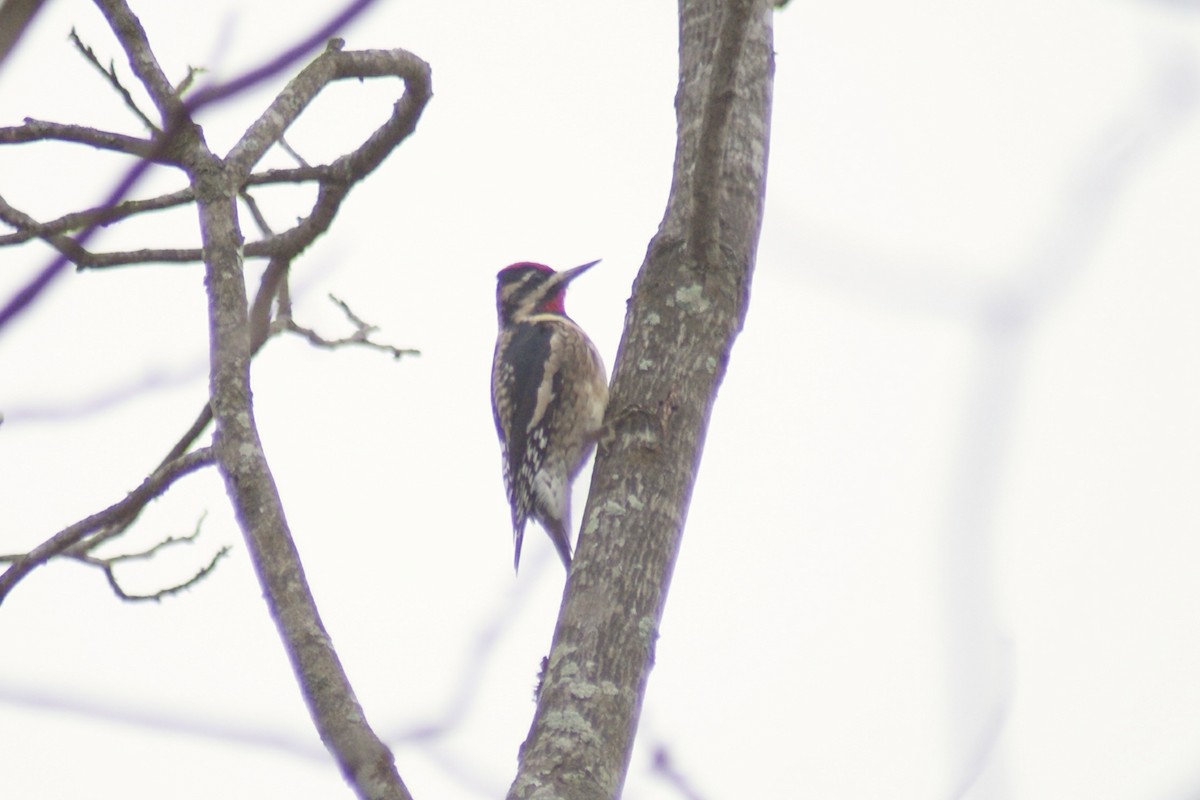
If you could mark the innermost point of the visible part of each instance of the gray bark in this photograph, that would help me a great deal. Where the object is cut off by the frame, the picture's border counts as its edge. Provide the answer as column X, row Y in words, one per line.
column 688, row 304
column 364, row 759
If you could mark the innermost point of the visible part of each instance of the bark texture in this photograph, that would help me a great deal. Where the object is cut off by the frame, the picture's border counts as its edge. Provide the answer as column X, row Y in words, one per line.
column 688, row 304
column 364, row 759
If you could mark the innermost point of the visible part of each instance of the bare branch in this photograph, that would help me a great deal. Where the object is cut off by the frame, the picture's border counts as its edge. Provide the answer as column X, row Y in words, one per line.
column 118, row 515
column 189, row 80
column 190, row 435
column 287, row 148
column 132, row 36
column 335, row 179
column 236, row 332
column 123, row 20
column 261, row 221
column 29, row 228
column 22, row 221
column 110, row 74
column 82, row 552
column 361, row 336
column 273, row 280
column 119, row 591
column 35, row 130
column 38, row 283
column 103, row 215
column 83, row 258
column 82, row 548
column 682, row 321
column 332, row 65
column 107, row 564
column 365, row 761
column 292, row 175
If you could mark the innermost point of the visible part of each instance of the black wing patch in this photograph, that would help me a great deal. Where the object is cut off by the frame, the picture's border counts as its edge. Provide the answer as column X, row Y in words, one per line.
column 528, row 353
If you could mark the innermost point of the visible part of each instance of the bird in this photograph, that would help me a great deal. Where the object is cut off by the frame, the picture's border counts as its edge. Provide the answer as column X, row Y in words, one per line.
column 549, row 394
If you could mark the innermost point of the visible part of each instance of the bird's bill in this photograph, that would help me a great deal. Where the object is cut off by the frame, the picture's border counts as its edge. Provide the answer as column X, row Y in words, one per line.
column 569, row 275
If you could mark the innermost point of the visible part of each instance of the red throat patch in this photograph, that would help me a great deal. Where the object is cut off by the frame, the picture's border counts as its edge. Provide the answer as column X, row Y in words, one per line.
column 554, row 303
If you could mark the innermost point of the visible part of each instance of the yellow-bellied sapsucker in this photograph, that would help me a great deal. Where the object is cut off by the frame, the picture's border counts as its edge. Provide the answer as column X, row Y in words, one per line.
column 549, row 391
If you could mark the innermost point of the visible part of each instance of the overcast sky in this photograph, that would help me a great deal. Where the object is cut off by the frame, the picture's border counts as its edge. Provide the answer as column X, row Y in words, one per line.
column 946, row 524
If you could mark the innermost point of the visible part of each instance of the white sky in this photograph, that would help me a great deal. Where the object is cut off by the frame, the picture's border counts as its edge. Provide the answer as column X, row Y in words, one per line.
column 950, row 487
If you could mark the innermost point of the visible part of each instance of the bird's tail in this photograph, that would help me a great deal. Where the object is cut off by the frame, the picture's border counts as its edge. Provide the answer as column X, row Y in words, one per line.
column 557, row 531
column 562, row 540
column 518, row 538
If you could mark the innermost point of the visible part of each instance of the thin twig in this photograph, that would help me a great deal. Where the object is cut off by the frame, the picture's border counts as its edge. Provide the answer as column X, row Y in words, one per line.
column 259, row 219
column 152, row 550
column 168, row 591
column 29, row 228
column 108, row 565
column 22, row 221
column 283, row 302
column 131, row 35
column 287, row 148
column 35, row 130
column 361, row 336
column 292, row 175
column 188, row 80
column 102, row 215
column 273, row 281
column 335, row 179
column 110, row 75
column 85, row 259
column 118, row 514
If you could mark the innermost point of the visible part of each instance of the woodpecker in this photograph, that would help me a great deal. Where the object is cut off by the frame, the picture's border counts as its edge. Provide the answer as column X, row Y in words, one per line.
column 549, row 391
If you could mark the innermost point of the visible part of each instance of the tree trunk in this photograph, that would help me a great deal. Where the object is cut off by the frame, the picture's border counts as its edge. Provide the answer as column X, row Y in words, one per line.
column 688, row 304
